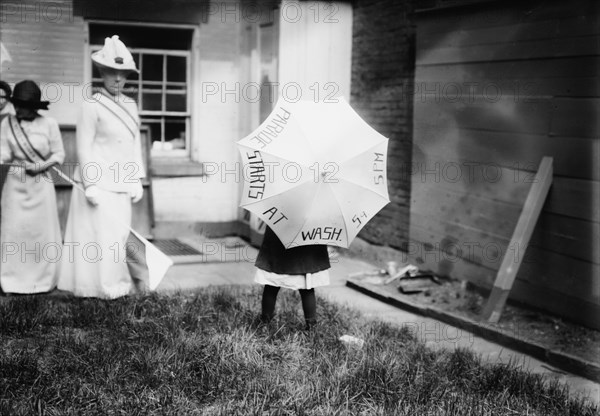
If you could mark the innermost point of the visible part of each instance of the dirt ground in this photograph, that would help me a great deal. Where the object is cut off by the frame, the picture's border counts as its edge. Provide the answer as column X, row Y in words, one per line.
column 461, row 299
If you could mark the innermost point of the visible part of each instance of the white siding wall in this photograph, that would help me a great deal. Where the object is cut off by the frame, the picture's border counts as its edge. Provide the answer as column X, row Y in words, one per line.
column 214, row 197
column 46, row 43
column 315, row 49
column 216, row 126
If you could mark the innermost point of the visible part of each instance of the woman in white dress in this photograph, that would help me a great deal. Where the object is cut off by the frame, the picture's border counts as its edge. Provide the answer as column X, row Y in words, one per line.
column 110, row 169
column 29, row 231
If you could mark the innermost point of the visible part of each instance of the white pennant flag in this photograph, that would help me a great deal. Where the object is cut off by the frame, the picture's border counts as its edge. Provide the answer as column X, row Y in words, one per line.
column 4, row 55
column 144, row 260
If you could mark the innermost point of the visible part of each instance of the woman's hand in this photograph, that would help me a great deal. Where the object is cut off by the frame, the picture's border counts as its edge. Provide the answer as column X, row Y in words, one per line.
column 137, row 193
column 36, row 168
column 92, row 193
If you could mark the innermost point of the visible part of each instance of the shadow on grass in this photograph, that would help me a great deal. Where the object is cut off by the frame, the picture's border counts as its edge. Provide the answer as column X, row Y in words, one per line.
column 206, row 353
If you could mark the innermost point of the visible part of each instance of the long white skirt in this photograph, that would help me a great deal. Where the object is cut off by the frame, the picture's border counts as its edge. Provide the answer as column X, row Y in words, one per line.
column 30, row 238
column 94, row 261
column 292, row 281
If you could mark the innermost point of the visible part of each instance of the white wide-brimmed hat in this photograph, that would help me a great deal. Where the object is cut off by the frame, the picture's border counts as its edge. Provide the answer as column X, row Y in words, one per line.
column 114, row 55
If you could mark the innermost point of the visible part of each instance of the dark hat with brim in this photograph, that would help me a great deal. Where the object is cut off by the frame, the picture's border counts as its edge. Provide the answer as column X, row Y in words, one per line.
column 27, row 94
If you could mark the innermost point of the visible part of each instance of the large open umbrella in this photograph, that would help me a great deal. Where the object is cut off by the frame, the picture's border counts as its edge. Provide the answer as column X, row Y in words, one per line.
column 314, row 172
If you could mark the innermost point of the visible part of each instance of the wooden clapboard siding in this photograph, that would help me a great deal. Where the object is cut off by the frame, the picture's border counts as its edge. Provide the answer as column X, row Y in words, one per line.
column 570, row 197
column 493, row 14
column 554, row 271
column 497, row 216
column 469, row 210
column 475, row 243
column 568, row 113
column 502, row 114
column 424, row 252
column 561, row 273
column 581, row 310
column 575, row 237
column 45, row 41
column 478, row 259
column 499, row 88
column 580, row 67
column 556, row 300
column 460, row 241
column 518, row 150
column 515, row 88
column 543, row 29
column 576, row 46
column 434, row 174
column 575, row 198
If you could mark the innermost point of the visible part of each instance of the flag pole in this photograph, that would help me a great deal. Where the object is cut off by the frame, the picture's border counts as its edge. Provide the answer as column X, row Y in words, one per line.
column 81, row 189
column 153, row 279
column 160, row 262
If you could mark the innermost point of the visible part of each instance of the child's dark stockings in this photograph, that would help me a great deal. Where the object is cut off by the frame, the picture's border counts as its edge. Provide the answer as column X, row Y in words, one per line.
column 309, row 304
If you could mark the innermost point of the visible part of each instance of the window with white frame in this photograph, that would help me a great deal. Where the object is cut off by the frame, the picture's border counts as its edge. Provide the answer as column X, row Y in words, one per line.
column 161, row 89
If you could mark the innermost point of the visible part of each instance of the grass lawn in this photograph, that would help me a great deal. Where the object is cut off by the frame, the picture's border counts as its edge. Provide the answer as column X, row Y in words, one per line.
column 204, row 354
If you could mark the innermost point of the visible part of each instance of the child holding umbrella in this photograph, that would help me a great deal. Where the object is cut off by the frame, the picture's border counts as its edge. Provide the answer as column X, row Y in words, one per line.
column 300, row 268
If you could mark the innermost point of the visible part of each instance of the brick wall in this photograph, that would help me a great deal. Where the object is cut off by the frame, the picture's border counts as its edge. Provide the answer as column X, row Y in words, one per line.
column 382, row 78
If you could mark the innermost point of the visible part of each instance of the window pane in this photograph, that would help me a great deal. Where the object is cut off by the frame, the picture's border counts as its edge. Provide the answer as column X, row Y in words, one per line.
column 154, row 129
column 131, row 90
column 95, row 72
column 131, row 93
column 134, row 76
column 176, row 68
column 176, row 102
column 151, row 100
column 175, row 132
column 152, row 67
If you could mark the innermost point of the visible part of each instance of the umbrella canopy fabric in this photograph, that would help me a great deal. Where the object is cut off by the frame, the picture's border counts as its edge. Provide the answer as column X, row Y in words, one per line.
column 314, row 172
